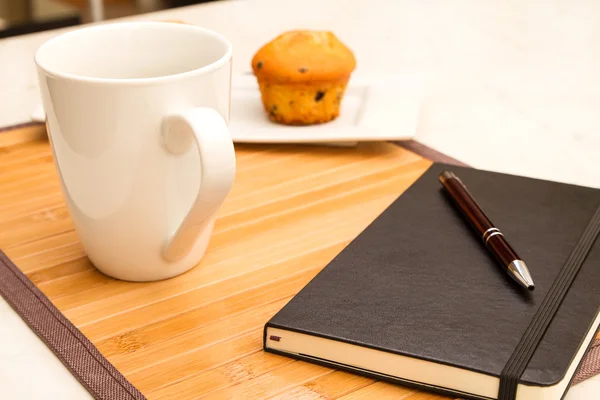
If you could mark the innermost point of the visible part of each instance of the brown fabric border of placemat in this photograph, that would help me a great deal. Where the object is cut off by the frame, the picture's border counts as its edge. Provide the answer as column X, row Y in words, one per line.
column 590, row 365
column 4, row 129
column 429, row 153
column 77, row 353
column 91, row 368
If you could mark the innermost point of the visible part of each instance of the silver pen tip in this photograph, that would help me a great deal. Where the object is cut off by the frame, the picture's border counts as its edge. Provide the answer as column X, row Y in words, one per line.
column 520, row 273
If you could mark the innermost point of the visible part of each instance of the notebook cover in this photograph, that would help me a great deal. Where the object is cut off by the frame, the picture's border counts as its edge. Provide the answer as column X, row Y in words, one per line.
column 419, row 282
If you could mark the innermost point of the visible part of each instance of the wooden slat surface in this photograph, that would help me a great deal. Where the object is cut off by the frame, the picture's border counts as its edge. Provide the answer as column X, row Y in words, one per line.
column 199, row 335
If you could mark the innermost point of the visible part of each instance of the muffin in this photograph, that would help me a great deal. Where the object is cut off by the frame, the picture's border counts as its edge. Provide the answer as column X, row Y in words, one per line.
column 302, row 76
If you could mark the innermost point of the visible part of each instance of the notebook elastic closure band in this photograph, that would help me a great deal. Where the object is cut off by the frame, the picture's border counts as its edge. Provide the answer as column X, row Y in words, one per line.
column 518, row 361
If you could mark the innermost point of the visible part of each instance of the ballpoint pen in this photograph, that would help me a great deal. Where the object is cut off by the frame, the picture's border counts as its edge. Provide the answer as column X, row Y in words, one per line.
column 493, row 239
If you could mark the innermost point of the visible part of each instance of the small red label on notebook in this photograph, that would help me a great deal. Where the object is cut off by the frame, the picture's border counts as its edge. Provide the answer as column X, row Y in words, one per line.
column 275, row 338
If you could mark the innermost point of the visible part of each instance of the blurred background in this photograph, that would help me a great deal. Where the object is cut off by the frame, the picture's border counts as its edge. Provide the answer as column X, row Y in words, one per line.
column 18, row 17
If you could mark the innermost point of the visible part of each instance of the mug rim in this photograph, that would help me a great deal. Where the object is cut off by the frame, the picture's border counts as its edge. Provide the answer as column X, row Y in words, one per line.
column 215, row 65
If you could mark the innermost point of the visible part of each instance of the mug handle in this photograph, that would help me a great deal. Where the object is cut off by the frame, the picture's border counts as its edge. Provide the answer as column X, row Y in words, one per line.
column 208, row 129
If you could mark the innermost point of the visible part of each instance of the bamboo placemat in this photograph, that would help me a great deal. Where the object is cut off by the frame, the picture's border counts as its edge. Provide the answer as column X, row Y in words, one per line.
column 291, row 210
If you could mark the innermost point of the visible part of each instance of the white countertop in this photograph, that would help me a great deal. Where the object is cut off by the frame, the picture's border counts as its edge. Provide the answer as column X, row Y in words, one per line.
column 511, row 86
column 24, row 357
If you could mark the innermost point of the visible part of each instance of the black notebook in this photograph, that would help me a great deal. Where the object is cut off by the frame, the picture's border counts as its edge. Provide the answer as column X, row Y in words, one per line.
column 416, row 299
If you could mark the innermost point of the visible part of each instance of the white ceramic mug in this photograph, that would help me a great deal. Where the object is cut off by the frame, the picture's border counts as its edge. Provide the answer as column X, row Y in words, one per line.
column 137, row 116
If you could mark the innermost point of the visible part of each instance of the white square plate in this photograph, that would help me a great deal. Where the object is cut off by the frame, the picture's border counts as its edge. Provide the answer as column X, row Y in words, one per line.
column 374, row 108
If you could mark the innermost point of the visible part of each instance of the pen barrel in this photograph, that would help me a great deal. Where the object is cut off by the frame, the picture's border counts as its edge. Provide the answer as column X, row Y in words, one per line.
column 491, row 236
column 467, row 205
column 501, row 249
